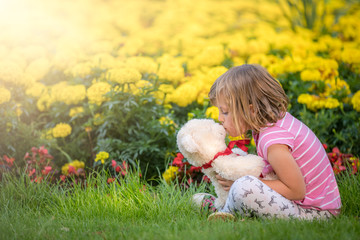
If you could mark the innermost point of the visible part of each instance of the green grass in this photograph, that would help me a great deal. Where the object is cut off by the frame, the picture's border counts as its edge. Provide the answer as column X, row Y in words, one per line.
column 122, row 211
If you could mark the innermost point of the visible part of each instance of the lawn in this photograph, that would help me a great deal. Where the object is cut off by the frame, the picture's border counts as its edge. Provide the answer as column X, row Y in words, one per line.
column 133, row 209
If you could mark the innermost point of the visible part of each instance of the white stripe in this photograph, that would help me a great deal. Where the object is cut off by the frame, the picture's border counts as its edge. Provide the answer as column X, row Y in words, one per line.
column 312, row 199
column 330, row 201
column 283, row 120
column 302, row 140
column 319, row 175
column 301, row 124
column 315, row 166
column 268, row 134
column 309, row 159
column 275, row 140
column 291, row 124
column 317, row 186
column 308, row 149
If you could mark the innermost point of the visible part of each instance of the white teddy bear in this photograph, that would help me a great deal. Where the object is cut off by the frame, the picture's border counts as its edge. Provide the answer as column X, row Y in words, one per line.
column 202, row 142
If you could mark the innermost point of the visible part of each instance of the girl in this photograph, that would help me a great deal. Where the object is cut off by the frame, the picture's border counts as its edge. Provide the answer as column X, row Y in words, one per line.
column 249, row 98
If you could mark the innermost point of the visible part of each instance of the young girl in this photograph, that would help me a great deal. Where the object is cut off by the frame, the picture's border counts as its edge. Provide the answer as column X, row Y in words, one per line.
column 249, row 98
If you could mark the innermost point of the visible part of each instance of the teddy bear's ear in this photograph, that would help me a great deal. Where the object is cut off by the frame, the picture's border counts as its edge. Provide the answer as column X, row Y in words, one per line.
column 189, row 144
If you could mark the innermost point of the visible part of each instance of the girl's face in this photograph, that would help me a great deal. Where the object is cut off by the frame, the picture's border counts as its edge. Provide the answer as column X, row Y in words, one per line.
column 226, row 119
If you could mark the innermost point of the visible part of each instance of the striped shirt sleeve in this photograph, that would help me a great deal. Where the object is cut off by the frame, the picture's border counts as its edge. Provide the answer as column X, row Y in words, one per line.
column 276, row 135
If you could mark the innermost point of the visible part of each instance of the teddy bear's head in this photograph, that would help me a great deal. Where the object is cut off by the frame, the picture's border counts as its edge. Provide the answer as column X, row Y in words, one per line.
column 199, row 140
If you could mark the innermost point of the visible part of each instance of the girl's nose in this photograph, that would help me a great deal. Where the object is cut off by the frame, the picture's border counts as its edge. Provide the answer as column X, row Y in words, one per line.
column 221, row 118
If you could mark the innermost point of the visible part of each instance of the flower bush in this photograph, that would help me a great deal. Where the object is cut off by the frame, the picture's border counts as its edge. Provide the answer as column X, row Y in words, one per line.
column 180, row 170
column 123, row 85
column 39, row 166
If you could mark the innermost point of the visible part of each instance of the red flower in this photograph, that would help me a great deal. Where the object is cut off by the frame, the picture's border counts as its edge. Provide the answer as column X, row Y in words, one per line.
column 9, row 161
column 178, row 160
column 31, row 172
column 62, row 177
column 113, row 163
column 27, row 155
column 206, row 179
column 190, row 180
column 325, row 146
column 46, row 170
column 71, row 169
column 43, row 150
column 38, row 179
column 194, row 169
column 110, row 180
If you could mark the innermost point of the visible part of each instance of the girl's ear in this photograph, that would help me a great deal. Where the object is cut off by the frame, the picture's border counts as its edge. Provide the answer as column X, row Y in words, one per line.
column 252, row 109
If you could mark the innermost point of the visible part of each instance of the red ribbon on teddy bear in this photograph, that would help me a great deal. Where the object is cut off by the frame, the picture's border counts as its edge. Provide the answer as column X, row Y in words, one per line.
column 239, row 143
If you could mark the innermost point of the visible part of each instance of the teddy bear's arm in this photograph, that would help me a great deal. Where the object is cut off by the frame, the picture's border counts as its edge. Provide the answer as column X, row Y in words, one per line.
column 232, row 166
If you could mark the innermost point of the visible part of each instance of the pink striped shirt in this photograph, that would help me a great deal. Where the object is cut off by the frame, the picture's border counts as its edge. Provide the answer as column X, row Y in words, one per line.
column 321, row 188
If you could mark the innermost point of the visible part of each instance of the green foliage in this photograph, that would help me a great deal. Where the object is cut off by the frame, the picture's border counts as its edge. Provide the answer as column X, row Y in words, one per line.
column 132, row 130
column 334, row 127
column 349, row 187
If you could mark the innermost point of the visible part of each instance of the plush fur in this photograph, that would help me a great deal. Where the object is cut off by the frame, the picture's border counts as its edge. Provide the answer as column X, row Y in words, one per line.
column 199, row 140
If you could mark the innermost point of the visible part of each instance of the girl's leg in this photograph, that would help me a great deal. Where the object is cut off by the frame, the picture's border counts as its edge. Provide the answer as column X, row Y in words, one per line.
column 249, row 196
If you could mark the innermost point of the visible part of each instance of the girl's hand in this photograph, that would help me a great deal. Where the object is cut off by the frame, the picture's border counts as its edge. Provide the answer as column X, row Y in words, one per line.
column 226, row 184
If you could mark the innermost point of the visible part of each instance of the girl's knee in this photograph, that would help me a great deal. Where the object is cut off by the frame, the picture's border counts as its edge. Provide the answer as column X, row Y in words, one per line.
column 247, row 180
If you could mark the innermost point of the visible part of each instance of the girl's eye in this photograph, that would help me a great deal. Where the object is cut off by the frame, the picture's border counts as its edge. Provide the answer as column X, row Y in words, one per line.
column 224, row 113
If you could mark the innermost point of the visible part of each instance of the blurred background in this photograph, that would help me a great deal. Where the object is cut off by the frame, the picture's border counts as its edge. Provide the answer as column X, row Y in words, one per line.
column 103, row 83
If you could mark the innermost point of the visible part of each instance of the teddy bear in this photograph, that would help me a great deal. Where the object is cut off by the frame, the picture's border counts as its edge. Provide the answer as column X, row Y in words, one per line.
column 202, row 142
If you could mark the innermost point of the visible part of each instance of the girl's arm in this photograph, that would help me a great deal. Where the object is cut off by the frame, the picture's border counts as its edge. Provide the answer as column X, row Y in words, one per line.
column 291, row 182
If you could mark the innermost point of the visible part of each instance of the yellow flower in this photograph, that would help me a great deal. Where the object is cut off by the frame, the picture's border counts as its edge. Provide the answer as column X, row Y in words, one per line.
column 75, row 111
column 5, row 95
column 351, row 55
column 38, row 68
column 138, row 86
column 65, row 169
column 76, row 164
column 80, row 70
column 212, row 112
column 98, row 119
column 10, row 72
column 310, row 75
column 96, row 92
column 231, row 138
column 171, row 71
column 166, row 121
column 18, row 110
column 61, row 130
column 44, row 102
column 68, row 94
column 334, row 85
column 355, row 101
column 124, row 75
column 142, row 64
column 209, row 56
column 185, row 94
column 47, row 134
column 102, row 156
column 315, row 103
column 36, row 90
column 170, row 173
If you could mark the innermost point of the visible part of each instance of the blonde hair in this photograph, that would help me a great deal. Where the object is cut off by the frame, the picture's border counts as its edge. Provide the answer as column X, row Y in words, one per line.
column 252, row 95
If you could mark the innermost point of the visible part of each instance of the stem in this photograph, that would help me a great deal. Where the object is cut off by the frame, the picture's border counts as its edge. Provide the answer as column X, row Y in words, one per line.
column 91, row 162
column 65, row 154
